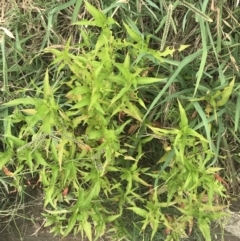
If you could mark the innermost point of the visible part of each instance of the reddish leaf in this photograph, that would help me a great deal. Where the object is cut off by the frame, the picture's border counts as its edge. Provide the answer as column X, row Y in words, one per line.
column 121, row 116
column 7, row 172
column 156, row 124
column 65, row 191
column 194, row 114
column 84, row 147
column 132, row 129
column 217, row 177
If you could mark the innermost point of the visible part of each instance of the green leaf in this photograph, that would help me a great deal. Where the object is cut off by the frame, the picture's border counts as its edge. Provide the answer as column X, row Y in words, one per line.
column 57, row 212
column 188, row 182
column 187, row 212
column 79, row 90
column 226, row 93
column 134, row 35
column 94, row 98
column 16, row 141
column 46, row 86
column 203, row 225
column 53, row 51
column 99, row 108
column 103, row 39
column 133, row 111
column 94, row 192
column 128, row 177
column 120, row 94
column 111, row 21
column 21, row 101
column 192, row 132
column 139, row 211
column 155, row 225
column 39, row 159
column 71, row 222
column 98, row 70
column 126, row 63
column 88, row 230
column 125, row 72
column 39, row 116
column 163, row 132
column 5, row 157
column 61, row 150
column 48, row 122
column 153, row 5
column 98, row 15
column 84, row 102
column 184, row 120
column 149, row 80
column 205, row 123
column 53, row 148
column 49, row 196
column 170, row 51
column 138, row 179
column 203, row 57
column 43, row 177
column 88, row 23
column 111, row 218
column 212, row 170
column 237, row 114
column 29, row 160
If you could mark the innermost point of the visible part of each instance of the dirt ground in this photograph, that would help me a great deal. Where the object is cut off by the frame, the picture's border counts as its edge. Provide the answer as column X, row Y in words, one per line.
column 29, row 227
column 26, row 231
column 23, row 230
column 27, row 224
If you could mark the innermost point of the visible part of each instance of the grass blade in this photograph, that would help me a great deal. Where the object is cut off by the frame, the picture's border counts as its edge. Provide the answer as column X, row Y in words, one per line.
column 182, row 64
column 204, row 55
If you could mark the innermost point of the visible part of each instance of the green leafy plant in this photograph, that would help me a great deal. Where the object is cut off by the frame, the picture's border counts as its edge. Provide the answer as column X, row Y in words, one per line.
column 76, row 145
column 84, row 137
column 189, row 186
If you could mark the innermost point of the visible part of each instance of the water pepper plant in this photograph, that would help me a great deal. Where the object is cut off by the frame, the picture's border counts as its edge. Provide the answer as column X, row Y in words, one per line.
column 84, row 135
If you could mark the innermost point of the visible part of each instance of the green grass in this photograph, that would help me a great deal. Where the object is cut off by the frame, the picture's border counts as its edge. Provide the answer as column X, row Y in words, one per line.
column 132, row 106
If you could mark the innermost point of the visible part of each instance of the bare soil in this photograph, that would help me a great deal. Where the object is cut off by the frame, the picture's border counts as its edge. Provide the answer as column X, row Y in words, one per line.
column 28, row 225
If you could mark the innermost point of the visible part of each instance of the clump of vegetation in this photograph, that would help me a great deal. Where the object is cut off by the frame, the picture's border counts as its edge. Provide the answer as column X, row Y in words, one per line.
column 116, row 122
